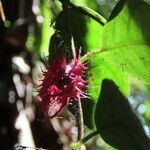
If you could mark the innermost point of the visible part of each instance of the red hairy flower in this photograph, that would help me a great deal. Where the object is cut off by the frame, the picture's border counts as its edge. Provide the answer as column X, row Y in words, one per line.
column 62, row 81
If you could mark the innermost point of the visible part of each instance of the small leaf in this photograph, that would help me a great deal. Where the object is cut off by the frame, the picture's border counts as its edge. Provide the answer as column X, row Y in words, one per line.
column 76, row 146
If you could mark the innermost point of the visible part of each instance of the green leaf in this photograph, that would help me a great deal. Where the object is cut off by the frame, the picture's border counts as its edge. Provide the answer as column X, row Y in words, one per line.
column 89, row 12
column 116, row 122
column 103, row 69
column 106, row 7
column 87, row 33
column 147, row 1
column 127, row 39
column 126, row 42
column 47, row 30
column 69, row 23
column 147, row 112
column 100, row 69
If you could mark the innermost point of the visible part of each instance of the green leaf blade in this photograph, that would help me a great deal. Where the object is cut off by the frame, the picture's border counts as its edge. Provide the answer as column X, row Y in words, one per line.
column 116, row 122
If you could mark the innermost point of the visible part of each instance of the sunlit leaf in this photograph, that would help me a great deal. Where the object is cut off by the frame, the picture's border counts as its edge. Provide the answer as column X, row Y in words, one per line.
column 127, row 36
column 47, row 30
column 87, row 33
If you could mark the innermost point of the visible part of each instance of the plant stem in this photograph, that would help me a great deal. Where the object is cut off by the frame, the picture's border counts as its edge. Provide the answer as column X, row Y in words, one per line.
column 2, row 14
column 89, row 55
column 89, row 136
column 80, row 123
column 89, row 12
column 93, row 53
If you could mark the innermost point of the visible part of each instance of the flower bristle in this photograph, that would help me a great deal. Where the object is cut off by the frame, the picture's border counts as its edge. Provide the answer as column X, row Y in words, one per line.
column 62, row 82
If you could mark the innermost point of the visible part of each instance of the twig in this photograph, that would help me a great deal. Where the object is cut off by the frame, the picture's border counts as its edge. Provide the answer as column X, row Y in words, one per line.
column 80, row 120
column 2, row 14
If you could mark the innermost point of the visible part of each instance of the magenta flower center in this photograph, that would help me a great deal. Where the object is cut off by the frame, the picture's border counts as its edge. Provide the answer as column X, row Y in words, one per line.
column 61, row 83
